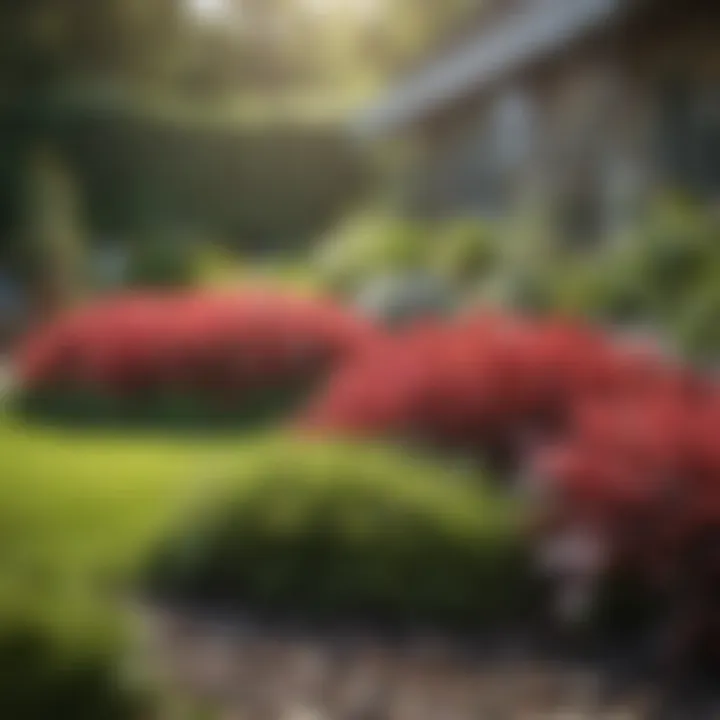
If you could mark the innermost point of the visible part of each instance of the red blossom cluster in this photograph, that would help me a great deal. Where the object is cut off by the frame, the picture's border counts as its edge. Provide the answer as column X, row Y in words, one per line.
column 629, row 440
column 469, row 382
column 215, row 344
column 645, row 470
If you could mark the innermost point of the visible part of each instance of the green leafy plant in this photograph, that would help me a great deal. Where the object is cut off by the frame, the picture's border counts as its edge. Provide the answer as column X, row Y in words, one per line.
column 695, row 326
column 62, row 655
column 165, row 260
column 349, row 532
column 370, row 245
column 465, row 251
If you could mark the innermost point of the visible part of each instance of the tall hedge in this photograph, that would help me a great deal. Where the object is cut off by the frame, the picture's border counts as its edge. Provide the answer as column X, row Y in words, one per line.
column 261, row 185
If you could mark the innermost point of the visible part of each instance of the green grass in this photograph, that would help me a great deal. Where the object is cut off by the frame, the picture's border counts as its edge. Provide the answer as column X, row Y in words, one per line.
column 85, row 505
column 82, row 512
column 78, row 512
column 83, row 509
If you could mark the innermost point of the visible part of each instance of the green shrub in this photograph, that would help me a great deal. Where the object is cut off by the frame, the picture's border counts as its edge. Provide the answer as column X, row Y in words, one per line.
column 670, row 251
column 660, row 274
column 696, row 323
column 63, row 657
column 670, row 269
column 465, row 251
column 349, row 532
column 370, row 245
column 373, row 244
column 601, row 288
column 165, row 260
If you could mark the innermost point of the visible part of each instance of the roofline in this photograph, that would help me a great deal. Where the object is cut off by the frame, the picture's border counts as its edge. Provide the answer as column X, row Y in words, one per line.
column 496, row 51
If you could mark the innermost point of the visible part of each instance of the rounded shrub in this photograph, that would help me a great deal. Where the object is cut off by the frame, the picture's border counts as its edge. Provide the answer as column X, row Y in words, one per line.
column 185, row 357
column 349, row 533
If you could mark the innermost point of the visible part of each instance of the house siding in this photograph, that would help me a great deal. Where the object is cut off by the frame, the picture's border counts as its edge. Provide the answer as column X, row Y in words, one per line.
column 597, row 147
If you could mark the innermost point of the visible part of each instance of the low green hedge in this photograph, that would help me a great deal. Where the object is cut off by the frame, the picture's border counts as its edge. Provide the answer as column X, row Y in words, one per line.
column 353, row 533
column 259, row 408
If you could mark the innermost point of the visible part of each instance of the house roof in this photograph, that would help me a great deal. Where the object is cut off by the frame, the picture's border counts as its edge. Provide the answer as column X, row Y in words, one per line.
column 540, row 28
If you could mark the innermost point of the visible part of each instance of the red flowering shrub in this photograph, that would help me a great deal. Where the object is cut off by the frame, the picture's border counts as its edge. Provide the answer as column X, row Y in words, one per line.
column 479, row 382
column 645, row 470
column 621, row 439
column 216, row 348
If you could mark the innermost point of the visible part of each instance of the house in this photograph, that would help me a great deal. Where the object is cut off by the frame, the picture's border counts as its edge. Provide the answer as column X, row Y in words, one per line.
column 580, row 107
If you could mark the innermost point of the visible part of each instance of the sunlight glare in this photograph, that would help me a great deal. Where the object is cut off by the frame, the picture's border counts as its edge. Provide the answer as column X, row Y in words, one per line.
column 211, row 10
column 360, row 7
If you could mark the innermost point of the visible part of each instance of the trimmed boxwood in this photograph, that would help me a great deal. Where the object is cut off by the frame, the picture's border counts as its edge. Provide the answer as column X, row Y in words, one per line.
column 349, row 533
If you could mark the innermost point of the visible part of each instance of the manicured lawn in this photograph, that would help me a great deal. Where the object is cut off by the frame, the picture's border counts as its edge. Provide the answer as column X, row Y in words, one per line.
column 78, row 513
column 83, row 506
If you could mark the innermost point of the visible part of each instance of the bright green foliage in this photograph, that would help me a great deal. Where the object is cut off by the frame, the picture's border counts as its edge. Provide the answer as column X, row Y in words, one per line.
column 371, row 245
column 665, row 276
column 349, row 532
column 662, row 275
column 672, row 251
column 77, row 514
column 697, row 325
column 62, row 655
column 465, row 251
